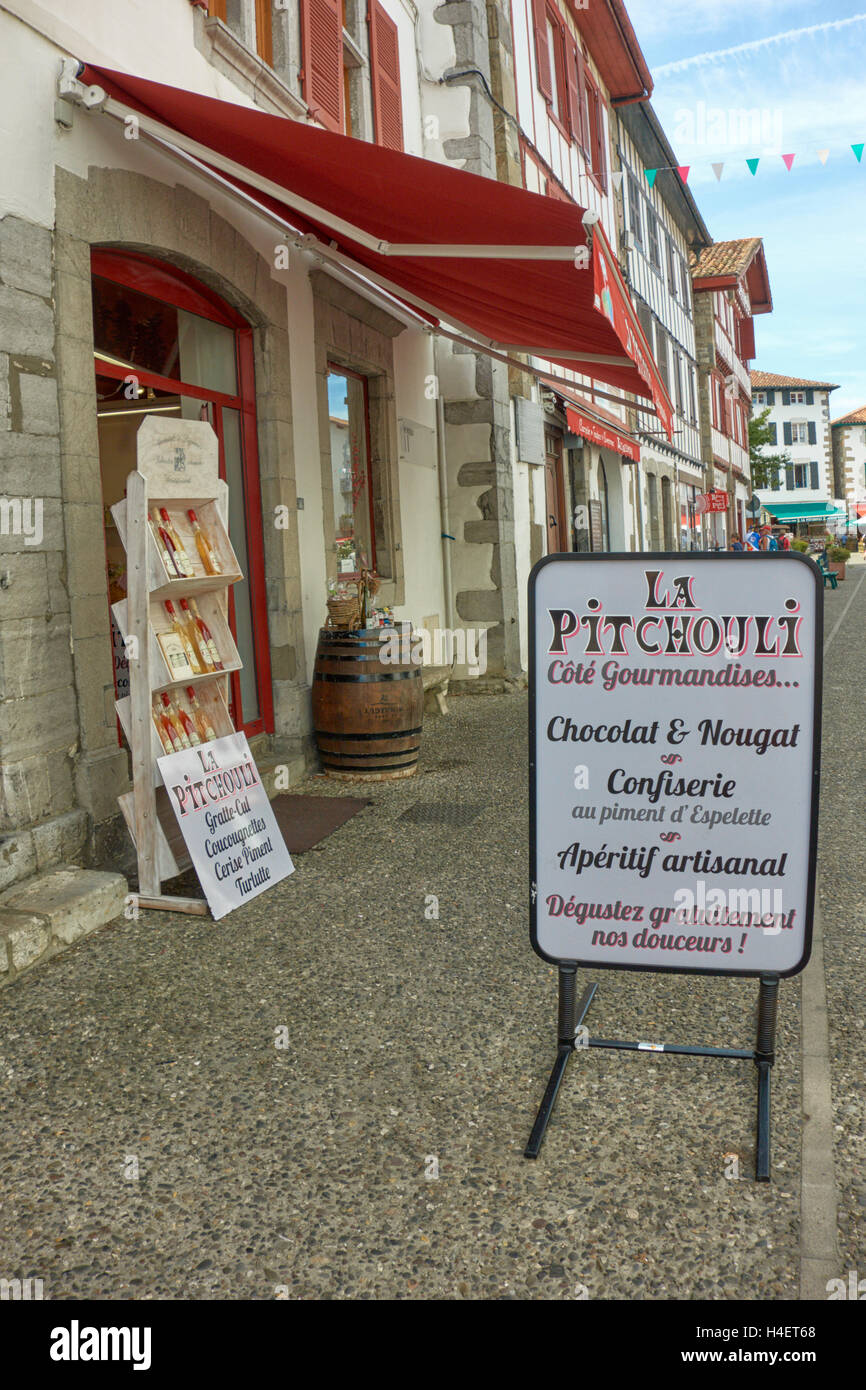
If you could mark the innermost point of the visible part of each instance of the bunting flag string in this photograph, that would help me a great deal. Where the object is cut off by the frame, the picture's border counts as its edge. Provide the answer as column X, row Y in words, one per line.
column 718, row 167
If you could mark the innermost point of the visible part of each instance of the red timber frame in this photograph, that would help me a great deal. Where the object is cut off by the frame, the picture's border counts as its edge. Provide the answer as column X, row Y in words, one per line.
column 173, row 286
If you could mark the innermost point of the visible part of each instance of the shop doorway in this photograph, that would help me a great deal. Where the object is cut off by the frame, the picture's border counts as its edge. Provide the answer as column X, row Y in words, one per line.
column 164, row 344
column 554, row 491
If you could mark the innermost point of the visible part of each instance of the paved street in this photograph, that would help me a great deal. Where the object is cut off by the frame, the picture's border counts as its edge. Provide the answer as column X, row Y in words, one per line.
column 155, row 1143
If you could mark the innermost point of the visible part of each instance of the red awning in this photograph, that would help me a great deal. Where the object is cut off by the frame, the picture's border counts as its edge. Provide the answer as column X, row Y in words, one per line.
column 605, row 435
column 414, row 224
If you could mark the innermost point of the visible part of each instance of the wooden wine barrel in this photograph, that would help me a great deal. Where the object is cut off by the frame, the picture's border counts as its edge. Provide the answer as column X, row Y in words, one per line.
column 367, row 713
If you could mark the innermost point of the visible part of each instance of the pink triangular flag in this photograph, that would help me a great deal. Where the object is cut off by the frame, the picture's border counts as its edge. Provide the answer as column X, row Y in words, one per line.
column 789, row 160
column 683, row 171
column 717, row 170
column 823, row 155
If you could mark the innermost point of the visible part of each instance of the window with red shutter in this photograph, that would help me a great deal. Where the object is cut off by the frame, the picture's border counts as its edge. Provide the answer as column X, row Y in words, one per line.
column 322, row 55
column 596, row 151
column 574, row 76
column 264, row 32
column 542, row 49
column 746, row 340
column 385, row 77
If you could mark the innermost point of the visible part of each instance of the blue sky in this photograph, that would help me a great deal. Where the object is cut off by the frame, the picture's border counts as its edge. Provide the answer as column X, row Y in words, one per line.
column 800, row 71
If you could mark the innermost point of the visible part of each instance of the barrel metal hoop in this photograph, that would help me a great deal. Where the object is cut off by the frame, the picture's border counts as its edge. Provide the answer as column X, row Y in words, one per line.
column 355, row 656
column 341, row 733
column 383, row 767
column 395, row 752
column 360, row 676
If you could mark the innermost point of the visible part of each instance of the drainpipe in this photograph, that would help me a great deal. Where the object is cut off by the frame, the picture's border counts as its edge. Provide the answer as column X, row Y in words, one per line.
column 444, row 521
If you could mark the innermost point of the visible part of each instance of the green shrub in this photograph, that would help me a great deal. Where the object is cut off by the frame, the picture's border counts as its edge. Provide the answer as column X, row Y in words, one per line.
column 838, row 554
column 802, row 546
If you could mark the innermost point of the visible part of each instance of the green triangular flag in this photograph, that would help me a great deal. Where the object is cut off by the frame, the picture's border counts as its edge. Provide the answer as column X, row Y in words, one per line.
column 651, row 176
column 858, row 150
column 753, row 165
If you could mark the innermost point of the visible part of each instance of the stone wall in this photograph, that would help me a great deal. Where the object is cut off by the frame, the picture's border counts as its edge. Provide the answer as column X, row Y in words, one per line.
column 61, row 768
column 39, row 822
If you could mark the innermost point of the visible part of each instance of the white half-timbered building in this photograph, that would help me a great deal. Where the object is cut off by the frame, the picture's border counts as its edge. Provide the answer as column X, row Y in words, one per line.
column 661, row 225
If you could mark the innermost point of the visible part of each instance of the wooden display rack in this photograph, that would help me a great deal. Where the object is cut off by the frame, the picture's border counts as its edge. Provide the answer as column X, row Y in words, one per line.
column 178, row 468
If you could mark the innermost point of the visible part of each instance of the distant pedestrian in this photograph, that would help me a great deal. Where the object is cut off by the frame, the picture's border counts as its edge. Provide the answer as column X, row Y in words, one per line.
column 785, row 541
column 736, row 543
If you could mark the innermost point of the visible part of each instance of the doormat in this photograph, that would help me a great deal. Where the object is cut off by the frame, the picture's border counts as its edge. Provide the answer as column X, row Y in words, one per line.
column 305, row 820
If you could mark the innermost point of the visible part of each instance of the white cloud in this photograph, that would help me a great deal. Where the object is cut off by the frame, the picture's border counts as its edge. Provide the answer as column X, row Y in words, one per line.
column 680, row 20
column 754, row 45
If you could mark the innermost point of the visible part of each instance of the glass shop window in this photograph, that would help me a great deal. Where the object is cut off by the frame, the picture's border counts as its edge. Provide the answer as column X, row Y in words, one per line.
column 358, row 494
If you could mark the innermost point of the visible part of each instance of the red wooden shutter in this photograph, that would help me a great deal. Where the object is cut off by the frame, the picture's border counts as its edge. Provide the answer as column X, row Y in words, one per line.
column 385, row 77
column 542, row 51
column 322, row 55
column 573, row 77
column 264, row 32
column 583, row 132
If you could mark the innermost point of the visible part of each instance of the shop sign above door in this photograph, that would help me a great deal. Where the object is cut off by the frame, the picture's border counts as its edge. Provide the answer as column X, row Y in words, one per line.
column 178, row 457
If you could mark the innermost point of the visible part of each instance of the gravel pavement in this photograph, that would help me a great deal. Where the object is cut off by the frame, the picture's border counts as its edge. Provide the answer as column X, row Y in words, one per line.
column 156, row 1142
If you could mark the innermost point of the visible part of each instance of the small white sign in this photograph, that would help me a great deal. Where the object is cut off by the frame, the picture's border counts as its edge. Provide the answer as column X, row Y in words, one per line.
column 227, row 821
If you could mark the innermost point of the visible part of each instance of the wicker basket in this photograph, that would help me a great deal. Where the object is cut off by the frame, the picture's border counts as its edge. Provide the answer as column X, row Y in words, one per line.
column 343, row 612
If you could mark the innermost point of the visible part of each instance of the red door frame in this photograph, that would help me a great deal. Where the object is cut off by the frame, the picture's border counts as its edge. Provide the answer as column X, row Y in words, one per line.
column 174, row 286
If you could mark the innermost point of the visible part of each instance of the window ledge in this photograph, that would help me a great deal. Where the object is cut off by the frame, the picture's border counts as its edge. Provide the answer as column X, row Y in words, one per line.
column 249, row 71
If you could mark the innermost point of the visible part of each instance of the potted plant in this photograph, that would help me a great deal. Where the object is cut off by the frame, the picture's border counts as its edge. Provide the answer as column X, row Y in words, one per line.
column 836, row 558
column 802, row 546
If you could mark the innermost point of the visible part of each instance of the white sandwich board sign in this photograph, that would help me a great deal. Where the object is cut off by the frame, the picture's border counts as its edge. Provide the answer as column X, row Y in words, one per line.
column 675, row 737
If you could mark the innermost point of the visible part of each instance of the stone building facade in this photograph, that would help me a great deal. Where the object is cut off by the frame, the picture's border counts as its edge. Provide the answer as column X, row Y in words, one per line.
column 848, row 435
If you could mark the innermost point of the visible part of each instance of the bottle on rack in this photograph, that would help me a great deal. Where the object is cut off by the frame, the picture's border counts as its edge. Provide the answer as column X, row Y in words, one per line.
column 200, row 716
column 169, row 714
column 195, row 638
column 165, row 545
column 186, row 724
column 182, row 556
column 206, row 641
column 189, row 652
column 167, row 737
column 205, row 549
